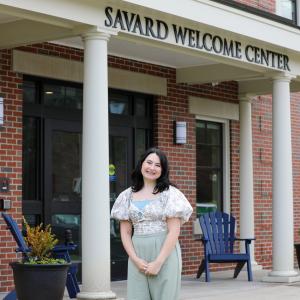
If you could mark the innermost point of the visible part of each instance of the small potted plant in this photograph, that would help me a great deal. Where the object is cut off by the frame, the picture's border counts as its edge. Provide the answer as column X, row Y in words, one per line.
column 39, row 275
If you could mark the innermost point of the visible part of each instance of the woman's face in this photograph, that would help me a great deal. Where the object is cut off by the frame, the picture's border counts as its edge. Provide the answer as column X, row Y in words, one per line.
column 151, row 167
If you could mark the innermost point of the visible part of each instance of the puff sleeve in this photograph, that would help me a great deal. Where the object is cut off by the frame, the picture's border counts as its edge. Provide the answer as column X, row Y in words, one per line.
column 120, row 209
column 177, row 206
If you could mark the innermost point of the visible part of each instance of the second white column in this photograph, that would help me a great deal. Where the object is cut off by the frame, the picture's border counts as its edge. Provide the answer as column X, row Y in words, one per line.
column 246, row 173
column 283, row 225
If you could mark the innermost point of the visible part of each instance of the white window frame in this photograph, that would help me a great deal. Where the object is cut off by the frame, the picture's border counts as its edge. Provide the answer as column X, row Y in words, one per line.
column 226, row 158
column 279, row 9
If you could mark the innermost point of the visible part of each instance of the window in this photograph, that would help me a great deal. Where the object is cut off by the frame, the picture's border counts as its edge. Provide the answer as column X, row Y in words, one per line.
column 213, row 152
column 57, row 95
column 286, row 9
column 209, row 165
column 210, row 156
column 133, row 110
column 31, row 158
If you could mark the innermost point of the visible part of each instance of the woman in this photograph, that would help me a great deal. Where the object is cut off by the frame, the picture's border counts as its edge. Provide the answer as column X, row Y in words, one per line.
column 155, row 210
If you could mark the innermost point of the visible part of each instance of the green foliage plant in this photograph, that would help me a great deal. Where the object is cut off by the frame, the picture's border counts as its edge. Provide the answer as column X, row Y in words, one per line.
column 41, row 242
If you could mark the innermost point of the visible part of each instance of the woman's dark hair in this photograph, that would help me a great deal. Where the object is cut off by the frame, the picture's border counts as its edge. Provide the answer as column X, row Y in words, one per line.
column 162, row 182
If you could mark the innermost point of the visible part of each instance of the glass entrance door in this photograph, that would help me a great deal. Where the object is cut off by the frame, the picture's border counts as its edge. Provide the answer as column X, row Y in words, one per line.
column 52, row 118
column 120, row 167
column 62, row 194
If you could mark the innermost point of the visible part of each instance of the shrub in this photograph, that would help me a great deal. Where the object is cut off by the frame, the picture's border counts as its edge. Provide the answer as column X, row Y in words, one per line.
column 41, row 242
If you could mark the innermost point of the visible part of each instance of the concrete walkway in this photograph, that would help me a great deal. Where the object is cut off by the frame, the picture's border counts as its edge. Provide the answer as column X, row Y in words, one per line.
column 223, row 287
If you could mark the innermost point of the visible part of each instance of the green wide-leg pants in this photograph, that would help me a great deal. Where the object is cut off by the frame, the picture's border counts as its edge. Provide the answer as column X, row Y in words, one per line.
column 165, row 285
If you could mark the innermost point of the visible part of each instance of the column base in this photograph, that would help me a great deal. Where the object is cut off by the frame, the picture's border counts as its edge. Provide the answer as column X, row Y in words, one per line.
column 97, row 296
column 282, row 276
column 255, row 266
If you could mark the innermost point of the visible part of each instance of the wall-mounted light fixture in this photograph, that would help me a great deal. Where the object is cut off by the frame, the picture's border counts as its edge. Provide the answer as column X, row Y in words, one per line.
column 179, row 132
column 1, row 111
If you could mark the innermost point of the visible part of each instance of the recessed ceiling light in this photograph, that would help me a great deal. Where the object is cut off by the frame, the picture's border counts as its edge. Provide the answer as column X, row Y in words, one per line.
column 49, row 92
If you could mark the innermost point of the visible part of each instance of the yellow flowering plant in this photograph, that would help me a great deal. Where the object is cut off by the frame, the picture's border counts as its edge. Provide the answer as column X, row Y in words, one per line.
column 41, row 242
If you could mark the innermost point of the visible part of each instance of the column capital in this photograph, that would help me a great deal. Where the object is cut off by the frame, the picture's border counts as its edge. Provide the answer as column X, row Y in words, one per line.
column 282, row 76
column 246, row 97
column 97, row 33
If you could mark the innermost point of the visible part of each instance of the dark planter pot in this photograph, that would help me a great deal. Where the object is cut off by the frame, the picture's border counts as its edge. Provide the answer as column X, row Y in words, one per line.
column 37, row 282
column 297, row 248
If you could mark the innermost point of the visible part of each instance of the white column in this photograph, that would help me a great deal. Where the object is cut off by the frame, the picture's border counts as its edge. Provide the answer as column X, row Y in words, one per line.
column 298, row 11
column 283, row 225
column 246, row 174
column 95, row 161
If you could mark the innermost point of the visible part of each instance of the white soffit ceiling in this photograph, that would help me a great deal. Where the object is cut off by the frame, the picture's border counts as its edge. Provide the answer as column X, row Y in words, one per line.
column 6, row 18
column 133, row 49
column 144, row 52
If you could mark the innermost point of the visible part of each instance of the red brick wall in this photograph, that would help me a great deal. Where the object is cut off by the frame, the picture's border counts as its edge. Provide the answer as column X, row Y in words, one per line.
column 182, row 157
column 10, row 160
column 262, row 161
column 167, row 109
column 11, row 146
column 295, row 112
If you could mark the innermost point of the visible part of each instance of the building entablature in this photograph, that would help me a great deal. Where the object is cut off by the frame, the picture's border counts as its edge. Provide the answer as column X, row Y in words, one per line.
column 195, row 37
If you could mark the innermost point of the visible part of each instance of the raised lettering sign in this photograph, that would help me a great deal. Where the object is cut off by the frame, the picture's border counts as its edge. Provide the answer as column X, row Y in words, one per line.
column 158, row 29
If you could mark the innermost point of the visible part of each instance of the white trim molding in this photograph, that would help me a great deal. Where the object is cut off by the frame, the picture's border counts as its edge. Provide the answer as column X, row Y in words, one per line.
column 70, row 70
column 221, row 112
column 213, row 108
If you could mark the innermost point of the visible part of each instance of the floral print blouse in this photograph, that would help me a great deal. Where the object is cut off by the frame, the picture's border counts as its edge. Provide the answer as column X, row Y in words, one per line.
column 152, row 219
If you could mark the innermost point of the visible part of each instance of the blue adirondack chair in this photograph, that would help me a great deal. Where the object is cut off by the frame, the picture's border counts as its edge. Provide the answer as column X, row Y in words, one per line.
column 59, row 251
column 218, row 238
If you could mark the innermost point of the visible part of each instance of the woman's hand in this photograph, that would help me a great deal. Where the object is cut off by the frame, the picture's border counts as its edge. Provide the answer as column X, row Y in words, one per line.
column 141, row 264
column 169, row 244
column 153, row 268
column 126, row 234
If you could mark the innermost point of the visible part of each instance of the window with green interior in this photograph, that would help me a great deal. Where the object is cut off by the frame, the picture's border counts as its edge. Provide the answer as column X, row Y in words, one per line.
column 210, row 157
